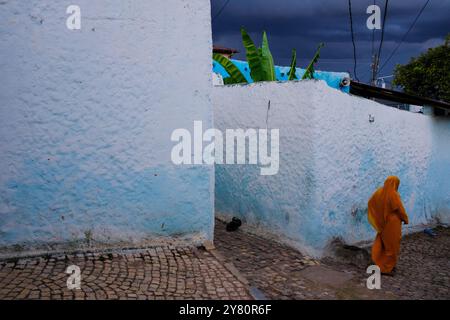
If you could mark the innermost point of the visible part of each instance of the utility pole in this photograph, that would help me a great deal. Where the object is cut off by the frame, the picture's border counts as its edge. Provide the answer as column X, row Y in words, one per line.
column 375, row 65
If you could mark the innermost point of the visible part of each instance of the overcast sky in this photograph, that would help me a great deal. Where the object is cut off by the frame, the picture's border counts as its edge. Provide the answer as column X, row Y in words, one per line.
column 303, row 24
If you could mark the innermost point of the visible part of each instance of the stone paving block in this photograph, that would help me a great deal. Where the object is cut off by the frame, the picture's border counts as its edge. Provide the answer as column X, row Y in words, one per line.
column 326, row 276
column 241, row 262
column 161, row 273
column 280, row 272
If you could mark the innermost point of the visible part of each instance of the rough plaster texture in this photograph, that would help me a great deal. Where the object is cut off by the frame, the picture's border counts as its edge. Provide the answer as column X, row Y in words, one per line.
column 86, row 118
column 332, row 158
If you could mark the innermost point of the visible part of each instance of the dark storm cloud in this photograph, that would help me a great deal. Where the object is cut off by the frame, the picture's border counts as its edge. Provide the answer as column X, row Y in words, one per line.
column 304, row 24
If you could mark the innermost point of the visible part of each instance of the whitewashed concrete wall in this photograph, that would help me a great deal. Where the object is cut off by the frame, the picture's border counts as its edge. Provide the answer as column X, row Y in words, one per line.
column 332, row 158
column 86, row 118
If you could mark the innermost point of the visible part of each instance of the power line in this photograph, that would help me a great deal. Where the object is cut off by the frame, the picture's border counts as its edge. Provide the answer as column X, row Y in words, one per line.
column 374, row 57
column 373, row 34
column 220, row 11
column 386, row 3
column 406, row 34
column 353, row 39
column 383, row 27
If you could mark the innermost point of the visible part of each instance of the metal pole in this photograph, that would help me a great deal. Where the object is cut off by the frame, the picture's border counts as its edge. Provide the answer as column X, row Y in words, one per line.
column 375, row 64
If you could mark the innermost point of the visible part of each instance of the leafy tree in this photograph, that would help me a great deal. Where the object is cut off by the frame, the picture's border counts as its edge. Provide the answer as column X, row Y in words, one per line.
column 427, row 75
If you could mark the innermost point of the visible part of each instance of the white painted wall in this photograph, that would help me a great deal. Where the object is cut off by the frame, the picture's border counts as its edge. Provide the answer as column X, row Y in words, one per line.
column 86, row 118
column 332, row 158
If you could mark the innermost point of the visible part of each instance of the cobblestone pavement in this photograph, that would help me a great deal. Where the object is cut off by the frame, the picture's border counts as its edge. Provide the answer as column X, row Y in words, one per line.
column 424, row 267
column 242, row 263
column 280, row 272
column 158, row 273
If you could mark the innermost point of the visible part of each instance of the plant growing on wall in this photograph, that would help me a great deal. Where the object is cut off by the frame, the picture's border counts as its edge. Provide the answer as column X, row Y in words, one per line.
column 261, row 64
column 260, row 60
column 236, row 75
column 293, row 69
column 309, row 73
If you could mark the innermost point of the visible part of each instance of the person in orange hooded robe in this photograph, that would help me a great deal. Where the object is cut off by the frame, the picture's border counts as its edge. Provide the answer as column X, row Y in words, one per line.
column 386, row 214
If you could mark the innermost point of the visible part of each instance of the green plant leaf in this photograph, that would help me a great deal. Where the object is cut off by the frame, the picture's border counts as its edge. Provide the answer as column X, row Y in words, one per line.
column 229, row 80
column 253, row 57
column 236, row 75
column 292, row 75
column 309, row 73
column 267, row 60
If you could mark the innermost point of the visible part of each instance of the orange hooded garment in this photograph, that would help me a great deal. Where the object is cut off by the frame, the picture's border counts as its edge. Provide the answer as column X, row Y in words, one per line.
column 386, row 213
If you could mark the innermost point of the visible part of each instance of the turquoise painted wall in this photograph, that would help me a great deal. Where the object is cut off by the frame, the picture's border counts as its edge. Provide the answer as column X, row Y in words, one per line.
column 333, row 79
column 332, row 159
column 86, row 122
